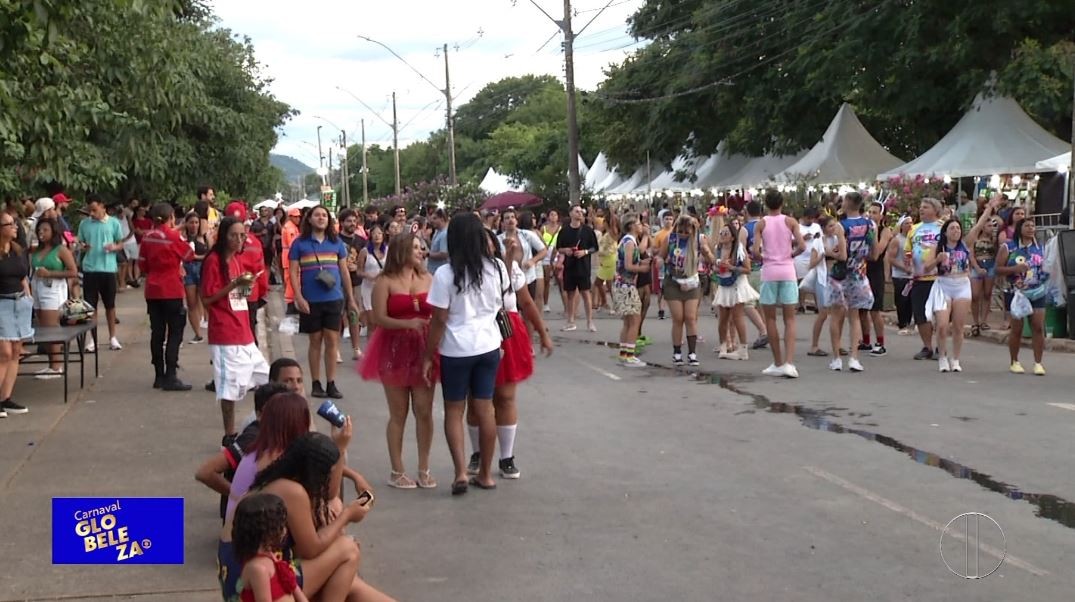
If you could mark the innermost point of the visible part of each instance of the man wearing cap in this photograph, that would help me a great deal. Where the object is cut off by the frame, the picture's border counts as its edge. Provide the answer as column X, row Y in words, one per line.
column 252, row 258
column 44, row 208
column 100, row 237
column 288, row 234
column 62, row 202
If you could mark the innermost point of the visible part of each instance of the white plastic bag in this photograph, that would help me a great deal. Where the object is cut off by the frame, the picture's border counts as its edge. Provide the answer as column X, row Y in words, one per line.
column 289, row 325
column 809, row 283
column 936, row 302
column 1055, row 285
column 1021, row 306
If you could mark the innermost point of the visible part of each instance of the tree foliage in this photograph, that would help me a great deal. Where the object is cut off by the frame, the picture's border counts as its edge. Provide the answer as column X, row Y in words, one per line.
column 131, row 98
column 769, row 75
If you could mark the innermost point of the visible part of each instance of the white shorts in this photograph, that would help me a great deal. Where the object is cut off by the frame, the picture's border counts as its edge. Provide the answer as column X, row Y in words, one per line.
column 955, row 287
column 49, row 293
column 237, row 369
column 130, row 249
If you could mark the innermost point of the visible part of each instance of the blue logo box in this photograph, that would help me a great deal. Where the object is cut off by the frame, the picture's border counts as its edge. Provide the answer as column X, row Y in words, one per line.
column 135, row 530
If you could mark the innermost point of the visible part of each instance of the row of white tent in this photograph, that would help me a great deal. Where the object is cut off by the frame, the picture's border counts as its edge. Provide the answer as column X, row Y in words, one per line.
column 994, row 137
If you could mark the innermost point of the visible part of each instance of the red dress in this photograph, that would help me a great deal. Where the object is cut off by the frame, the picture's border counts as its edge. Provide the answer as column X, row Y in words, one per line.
column 517, row 359
column 282, row 583
column 394, row 356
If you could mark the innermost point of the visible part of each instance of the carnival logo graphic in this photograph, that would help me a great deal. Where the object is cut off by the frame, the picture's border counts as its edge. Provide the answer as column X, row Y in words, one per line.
column 117, row 531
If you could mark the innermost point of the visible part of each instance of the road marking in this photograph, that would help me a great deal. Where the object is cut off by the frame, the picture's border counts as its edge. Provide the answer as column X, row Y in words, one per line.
column 595, row 368
column 911, row 514
column 1064, row 406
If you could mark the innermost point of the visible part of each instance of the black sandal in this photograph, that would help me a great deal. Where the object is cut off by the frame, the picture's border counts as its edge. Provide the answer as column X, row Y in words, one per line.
column 459, row 487
column 818, row 353
column 475, row 482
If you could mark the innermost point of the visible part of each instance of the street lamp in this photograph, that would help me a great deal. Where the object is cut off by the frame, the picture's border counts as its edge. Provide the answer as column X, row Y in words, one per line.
column 344, row 175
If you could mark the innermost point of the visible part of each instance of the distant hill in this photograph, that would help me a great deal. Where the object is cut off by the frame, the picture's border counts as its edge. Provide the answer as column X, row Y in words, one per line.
column 292, row 167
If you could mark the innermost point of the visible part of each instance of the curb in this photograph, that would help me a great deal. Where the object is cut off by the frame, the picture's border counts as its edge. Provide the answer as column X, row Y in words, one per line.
column 1000, row 337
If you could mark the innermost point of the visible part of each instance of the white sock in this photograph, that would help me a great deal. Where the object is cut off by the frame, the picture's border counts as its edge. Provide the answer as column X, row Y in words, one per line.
column 475, row 441
column 506, row 436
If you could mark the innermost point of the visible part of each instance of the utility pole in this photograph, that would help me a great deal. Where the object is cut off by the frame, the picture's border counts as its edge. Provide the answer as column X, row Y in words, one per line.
column 346, row 175
column 574, row 191
column 451, row 122
column 320, row 153
column 365, row 170
column 395, row 140
column 330, row 166
column 1071, row 168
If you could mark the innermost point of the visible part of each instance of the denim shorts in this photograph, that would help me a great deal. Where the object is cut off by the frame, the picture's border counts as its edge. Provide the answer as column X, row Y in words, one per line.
column 780, row 292
column 193, row 273
column 474, row 375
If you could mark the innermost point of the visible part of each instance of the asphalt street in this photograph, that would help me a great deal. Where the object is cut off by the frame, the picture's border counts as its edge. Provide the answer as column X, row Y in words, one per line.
column 714, row 483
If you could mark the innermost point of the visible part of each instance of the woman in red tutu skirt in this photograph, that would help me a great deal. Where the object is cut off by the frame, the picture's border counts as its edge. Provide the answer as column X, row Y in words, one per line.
column 516, row 359
column 394, row 354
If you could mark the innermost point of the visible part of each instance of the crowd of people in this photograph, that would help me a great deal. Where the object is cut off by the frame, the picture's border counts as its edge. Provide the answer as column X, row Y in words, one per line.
column 942, row 263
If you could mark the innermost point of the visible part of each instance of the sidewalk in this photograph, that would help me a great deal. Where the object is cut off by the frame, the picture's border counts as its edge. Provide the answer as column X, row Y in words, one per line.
column 118, row 437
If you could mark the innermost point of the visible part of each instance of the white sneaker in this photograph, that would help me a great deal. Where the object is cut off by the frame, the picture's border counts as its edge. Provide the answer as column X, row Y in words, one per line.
column 789, row 370
column 114, row 345
column 942, row 363
column 836, row 365
column 773, row 370
column 204, row 323
column 632, row 362
column 854, row 365
column 728, row 355
column 90, row 346
column 743, row 354
column 547, row 309
column 954, row 365
column 48, row 373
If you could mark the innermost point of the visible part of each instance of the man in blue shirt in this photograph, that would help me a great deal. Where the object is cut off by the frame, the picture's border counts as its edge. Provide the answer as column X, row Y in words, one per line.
column 438, row 247
column 322, row 282
column 100, row 237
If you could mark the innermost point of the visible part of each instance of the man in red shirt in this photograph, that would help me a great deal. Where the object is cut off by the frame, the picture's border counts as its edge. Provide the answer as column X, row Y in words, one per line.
column 161, row 257
column 252, row 259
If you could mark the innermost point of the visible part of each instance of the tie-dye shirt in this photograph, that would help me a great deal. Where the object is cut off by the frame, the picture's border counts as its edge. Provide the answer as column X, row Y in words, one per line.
column 1032, row 254
column 922, row 244
column 958, row 263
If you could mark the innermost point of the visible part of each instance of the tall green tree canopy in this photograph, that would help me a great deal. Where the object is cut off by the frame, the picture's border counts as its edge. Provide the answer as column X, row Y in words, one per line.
column 769, row 75
column 127, row 97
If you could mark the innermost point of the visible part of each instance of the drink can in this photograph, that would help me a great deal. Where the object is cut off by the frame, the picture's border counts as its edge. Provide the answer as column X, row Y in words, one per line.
column 330, row 412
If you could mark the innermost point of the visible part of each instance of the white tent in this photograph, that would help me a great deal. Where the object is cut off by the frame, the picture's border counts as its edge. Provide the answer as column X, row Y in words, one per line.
column 631, row 184
column 270, row 203
column 495, row 183
column 583, row 168
column 846, row 154
column 1057, row 163
column 720, row 166
column 687, row 166
column 597, row 172
column 994, row 137
column 759, row 171
column 612, row 180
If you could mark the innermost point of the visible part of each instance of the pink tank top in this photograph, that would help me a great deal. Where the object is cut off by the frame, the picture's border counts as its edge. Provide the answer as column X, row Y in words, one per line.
column 776, row 250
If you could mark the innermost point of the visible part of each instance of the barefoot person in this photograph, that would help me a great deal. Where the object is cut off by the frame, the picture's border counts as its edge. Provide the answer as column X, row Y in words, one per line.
column 777, row 240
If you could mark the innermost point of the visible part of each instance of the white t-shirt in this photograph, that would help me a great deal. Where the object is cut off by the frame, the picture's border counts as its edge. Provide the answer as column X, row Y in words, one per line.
column 471, row 328
column 518, row 281
column 530, row 243
column 812, row 237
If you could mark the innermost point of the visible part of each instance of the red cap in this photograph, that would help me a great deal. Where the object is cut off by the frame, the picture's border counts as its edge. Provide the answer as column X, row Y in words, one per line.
column 236, row 209
column 60, row 199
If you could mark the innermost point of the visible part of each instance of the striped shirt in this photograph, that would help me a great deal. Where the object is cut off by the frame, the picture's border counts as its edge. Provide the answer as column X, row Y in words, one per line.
column 315, row 256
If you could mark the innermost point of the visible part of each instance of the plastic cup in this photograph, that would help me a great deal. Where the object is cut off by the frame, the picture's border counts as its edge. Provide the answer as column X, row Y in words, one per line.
column 330, row 412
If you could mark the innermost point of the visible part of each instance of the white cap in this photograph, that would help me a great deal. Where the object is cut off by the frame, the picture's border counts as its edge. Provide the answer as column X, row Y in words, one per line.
column 42, row 205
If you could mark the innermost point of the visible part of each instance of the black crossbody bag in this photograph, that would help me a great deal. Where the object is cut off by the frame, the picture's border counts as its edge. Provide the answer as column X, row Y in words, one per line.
column 503, row 323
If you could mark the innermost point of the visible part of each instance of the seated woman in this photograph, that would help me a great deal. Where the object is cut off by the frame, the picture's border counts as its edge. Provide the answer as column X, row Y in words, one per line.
column 329, row 559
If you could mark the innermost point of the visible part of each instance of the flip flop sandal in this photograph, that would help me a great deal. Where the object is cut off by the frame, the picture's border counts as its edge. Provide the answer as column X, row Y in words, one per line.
column 475, row 482
column 818, row 353
column 459, row 487
column 569, row 328
column 400, row 480
column 425, row 481
column 984, row 326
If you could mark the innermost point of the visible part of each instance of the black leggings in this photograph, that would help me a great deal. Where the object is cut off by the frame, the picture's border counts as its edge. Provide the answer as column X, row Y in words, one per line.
column 903, row 302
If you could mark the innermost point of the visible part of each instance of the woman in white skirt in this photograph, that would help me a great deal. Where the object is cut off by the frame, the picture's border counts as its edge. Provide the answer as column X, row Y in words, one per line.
column 733, row 291
column 51, row 265
column 951, row 294
column 371, row 262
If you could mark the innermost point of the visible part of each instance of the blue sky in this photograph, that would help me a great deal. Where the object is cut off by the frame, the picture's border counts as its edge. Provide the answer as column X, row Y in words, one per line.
column 311, row 48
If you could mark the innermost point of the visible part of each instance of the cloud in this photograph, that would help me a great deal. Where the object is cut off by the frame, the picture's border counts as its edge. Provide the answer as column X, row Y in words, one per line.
column 311, row 48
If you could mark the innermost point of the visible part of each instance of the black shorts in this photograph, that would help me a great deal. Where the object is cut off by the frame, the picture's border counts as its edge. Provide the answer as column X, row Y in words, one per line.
column 326, row 315
column 99, row 286
column 919, row 296
column 576, row 281
column 644, row 279
column 532, row 289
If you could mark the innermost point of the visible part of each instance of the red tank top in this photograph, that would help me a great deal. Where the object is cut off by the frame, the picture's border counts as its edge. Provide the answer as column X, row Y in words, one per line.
column 403, row 306
column 281, row 584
